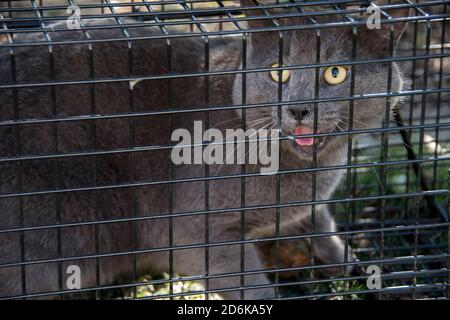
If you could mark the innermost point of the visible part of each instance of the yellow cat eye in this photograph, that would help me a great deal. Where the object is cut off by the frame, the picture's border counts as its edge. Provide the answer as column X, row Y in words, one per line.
column 275, row 74
column 334, row 75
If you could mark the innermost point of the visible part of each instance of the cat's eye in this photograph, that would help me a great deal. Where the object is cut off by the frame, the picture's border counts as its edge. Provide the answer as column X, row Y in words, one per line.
column 275, row 74
column 335, row 75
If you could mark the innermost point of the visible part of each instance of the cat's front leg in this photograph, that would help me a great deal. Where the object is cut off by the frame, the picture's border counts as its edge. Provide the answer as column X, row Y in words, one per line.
column 226, row 274
column 328, row 250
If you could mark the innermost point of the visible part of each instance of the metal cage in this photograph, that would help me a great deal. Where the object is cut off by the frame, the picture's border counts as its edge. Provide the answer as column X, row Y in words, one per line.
column 104, row 116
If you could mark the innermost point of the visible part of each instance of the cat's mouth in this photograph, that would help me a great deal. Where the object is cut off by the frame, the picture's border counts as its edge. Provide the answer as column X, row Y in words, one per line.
column 306, row 143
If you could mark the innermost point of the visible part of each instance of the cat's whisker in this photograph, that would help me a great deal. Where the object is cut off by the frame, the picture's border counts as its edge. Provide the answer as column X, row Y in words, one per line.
column 221, row 123
column 258, row 121
column 256, row 144
column 250, row 123
column 337, row 143
column 370, row 136
column 235, row 146
column 237, row 117
column 371, row 168
column 226, row 157
column 255, row 165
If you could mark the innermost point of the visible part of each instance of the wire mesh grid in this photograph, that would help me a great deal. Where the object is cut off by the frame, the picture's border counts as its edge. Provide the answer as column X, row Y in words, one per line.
column 93, row 91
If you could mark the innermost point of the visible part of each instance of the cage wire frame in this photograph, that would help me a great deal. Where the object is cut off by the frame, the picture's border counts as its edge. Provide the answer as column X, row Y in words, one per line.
column 423, row 272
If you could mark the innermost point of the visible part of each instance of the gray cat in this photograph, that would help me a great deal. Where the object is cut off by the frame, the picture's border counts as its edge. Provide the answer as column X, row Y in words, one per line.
column 148, row 202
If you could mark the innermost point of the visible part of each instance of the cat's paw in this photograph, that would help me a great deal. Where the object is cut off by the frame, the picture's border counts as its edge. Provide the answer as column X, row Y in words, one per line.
column 297, row 253
column 331, row 251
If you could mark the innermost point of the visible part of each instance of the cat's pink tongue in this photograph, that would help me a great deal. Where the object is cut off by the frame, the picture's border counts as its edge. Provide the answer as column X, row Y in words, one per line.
column 303, row 141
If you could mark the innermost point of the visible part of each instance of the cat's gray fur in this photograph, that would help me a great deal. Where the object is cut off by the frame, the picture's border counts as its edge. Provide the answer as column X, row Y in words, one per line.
column 111, row 59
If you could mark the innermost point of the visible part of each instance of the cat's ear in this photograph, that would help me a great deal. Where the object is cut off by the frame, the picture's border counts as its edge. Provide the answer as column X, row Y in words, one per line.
column 394, row 14
column 252, row 10
column 378, row 35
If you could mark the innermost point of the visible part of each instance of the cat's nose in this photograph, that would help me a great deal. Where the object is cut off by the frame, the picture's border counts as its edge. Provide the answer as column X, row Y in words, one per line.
column 299, row 113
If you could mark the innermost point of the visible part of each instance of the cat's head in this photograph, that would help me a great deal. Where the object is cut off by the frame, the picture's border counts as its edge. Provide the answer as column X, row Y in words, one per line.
column 329, row 86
